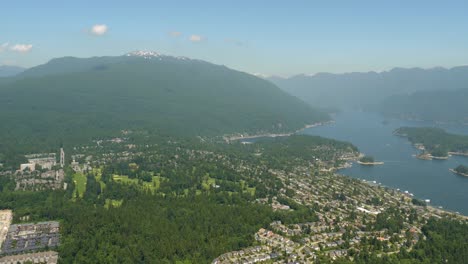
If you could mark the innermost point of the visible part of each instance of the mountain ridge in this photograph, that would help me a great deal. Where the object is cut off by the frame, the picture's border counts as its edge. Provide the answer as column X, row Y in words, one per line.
column 67, row 64
column 442, row 106
column 101, row 96
column 361, row 89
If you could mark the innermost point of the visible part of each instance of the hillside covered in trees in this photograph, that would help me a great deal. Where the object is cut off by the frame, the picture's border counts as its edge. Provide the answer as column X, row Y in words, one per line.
column 74, row 100
column 435, row 140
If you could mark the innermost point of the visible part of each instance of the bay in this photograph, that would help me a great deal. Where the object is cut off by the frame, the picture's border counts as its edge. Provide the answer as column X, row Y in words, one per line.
column 373, row 135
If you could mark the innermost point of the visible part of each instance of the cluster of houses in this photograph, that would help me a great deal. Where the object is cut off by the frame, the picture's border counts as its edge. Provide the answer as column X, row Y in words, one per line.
column 279, row 206
column 346, row 210
column 41, row 172
column 40, row 180
column 247, row 256
column 274, row 240
column 30, row 237
column 77, row 167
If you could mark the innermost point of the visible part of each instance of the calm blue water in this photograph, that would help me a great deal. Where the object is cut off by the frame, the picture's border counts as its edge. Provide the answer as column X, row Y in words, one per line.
column 425, row 179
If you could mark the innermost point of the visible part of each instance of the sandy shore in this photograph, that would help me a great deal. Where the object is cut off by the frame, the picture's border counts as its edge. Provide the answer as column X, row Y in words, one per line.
column 458, row 153
column 370, row 163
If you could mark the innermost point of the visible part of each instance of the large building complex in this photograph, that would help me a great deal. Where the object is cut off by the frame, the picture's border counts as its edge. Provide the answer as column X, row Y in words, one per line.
column 45, row 161
column 29, row 237
column 5, row 221
column 24, row 243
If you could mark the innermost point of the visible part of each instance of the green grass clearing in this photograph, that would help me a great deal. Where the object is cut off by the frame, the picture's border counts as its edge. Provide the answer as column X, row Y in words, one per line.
column 80, row 183
column 124, row 179
column 208, row 182
column 114, row 203
column 152, row 186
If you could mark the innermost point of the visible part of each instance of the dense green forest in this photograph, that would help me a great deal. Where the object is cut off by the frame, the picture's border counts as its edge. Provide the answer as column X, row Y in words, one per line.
column 435, row 140
column 281, row 149
column 83, row 99
column 303, row 146
column 146, row 229
column 462, row 169
column 367, row 159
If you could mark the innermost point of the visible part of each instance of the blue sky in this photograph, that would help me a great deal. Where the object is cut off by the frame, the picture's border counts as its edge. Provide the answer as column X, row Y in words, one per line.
column 268, row 37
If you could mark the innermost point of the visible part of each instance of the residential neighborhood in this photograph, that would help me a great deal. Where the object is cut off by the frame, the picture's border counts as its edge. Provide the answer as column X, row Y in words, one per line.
column 352, row 216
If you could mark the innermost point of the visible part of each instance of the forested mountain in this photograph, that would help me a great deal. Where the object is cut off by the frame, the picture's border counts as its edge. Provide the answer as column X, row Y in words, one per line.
column 72, row 99
column 7, row 71
column 440, row 106
column 370, row 88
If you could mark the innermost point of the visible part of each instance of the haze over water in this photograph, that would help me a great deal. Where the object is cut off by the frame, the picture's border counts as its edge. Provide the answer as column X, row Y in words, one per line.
column 425, row 179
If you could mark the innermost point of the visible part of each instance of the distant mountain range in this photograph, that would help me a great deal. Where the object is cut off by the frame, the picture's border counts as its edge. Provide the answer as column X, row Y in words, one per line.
column 370, row 88
column 82, row 98
column 7, row 71
column 446, row 106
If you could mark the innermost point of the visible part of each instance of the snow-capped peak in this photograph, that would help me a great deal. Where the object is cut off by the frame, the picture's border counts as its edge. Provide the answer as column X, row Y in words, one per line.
column 145, row 54
column 152, row 55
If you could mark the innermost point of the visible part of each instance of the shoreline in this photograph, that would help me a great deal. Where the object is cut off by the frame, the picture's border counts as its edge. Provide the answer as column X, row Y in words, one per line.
column 458, row 173
column 273, row 135
column 427, row 156
column 458, row 153
column 430, row 157
column 370, row 163
column 429, row 206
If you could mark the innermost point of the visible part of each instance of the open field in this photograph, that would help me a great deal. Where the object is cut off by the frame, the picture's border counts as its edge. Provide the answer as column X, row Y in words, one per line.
column 80, row 182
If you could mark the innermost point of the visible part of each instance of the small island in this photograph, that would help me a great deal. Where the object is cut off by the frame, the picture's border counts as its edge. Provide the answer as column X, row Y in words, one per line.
column 368, row 161
column 435, row 154
column 460, row 170
column 434, row 143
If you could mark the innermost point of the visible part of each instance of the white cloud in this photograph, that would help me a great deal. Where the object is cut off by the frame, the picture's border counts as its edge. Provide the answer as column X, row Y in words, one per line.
column 4, row 46
column 195, row 38
column 99, row 29
column 175, row 34
column 22, row 48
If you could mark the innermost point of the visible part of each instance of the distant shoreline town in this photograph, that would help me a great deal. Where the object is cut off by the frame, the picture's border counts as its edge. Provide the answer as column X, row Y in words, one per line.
column 273, row 135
